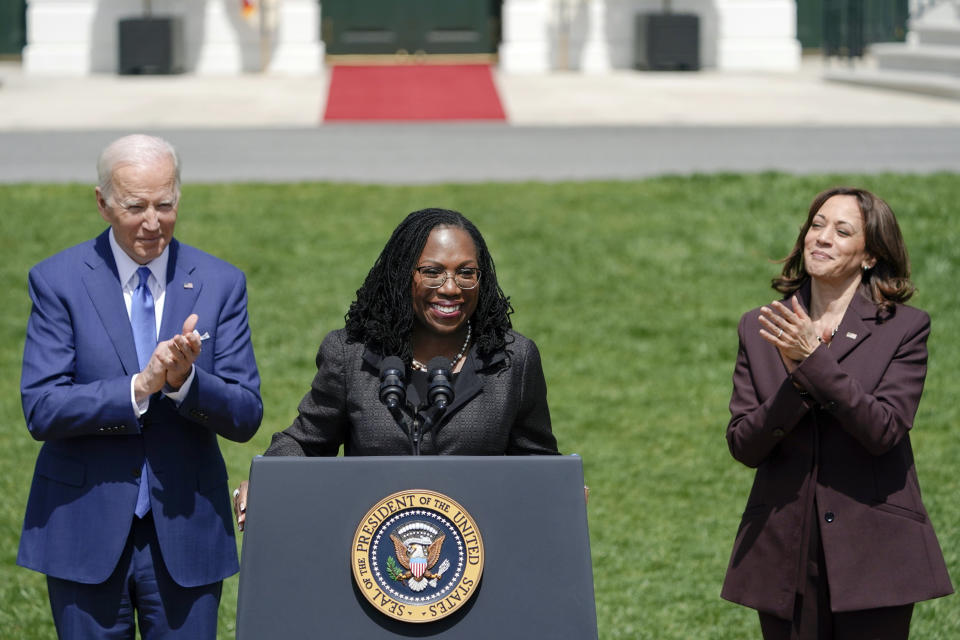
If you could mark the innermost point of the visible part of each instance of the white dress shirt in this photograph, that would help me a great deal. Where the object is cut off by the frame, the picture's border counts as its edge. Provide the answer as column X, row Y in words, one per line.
column 127, row 270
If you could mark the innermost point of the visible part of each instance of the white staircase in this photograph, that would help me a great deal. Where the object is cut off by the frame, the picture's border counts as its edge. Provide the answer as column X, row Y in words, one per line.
column 928, row 62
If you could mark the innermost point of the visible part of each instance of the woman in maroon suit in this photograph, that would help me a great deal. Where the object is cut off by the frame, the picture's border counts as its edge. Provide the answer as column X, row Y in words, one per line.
column 834, row 541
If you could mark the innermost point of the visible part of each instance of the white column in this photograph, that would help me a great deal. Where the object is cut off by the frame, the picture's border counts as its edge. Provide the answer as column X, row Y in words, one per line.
column 282, row 36
column 596, row 48
column 757, row 35
column 298, row 49
column 228, row 44
column 58, row 37
column 527, row 45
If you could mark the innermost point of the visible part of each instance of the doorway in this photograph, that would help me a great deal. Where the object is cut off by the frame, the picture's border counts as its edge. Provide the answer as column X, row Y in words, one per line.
column 413, row 27
column 13, row 27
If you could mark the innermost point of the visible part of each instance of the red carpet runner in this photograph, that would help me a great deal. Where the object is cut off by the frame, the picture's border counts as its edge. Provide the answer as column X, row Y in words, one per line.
column 413, row 92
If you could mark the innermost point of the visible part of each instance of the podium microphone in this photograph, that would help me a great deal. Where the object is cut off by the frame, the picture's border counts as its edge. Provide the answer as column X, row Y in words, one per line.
column 392, row 390
column 439, row 390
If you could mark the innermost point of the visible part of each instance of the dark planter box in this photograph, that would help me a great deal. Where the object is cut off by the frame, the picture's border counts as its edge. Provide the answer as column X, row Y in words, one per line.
column 667, row 42
column 151, row 45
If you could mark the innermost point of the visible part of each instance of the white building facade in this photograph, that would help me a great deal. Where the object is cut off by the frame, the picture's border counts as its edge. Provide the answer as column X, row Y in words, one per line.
column 79, row 37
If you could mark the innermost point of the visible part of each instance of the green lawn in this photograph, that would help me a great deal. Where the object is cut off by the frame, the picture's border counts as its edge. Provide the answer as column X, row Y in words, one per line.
column 632, row 290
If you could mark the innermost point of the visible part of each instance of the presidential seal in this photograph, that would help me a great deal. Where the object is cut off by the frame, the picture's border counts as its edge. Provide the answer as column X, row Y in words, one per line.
column 417, row 556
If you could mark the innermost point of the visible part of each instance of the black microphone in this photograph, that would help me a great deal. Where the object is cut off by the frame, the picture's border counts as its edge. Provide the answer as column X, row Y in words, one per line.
column 392, row 390
column 439, row 391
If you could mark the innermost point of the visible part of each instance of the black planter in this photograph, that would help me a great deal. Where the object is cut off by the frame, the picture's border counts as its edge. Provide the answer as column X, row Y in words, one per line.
column 151, row 45
column 667, row 42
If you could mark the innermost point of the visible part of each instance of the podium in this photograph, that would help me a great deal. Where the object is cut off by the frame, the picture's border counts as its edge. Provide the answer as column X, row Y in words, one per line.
column 303, row 516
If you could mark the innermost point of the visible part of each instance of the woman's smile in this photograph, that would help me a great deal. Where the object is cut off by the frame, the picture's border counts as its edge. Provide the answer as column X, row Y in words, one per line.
column 446, row 310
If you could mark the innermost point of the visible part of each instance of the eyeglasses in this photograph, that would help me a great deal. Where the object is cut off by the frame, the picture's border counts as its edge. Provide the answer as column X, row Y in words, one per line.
column 434, row 277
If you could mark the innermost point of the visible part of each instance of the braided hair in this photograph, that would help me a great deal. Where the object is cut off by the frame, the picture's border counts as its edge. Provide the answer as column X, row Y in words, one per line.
column 381, row 317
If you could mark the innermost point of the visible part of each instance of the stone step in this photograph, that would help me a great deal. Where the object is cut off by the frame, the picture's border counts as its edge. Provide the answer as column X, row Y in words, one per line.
column 935, row 84
column 936, row 34
column 921, row 58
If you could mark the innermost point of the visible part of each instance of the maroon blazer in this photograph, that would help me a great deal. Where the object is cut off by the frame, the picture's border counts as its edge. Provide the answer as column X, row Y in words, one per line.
column 844, row 450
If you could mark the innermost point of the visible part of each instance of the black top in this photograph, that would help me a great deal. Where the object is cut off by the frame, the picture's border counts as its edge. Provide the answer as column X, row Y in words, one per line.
column 499, row 408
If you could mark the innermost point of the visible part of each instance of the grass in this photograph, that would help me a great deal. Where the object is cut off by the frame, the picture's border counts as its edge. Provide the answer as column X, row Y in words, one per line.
column 632, row 291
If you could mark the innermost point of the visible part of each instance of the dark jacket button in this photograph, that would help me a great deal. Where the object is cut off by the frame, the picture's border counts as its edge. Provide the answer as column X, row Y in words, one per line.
column 828, row 516
column 778, row 433
column 135, row 473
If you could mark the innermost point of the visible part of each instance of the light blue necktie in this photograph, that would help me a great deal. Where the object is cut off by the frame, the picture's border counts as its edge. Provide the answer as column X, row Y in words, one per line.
column 144, row 323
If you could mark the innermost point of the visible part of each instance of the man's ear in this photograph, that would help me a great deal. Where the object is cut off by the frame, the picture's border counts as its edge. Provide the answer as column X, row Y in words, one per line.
column 101, row 204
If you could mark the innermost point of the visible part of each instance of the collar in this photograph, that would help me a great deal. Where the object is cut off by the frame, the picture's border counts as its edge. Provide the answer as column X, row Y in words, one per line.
column 856, row 324
column 127, row 267
column 468, row 384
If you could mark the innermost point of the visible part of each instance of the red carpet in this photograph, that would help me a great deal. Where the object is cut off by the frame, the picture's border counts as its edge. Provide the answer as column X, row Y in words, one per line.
column 413, row 92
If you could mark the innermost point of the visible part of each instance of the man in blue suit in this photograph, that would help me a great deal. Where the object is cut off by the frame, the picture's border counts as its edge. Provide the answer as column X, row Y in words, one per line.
column 137, row 356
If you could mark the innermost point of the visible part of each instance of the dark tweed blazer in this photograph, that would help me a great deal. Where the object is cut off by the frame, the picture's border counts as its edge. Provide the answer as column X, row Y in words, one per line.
column 838, row 458
column 499, row 407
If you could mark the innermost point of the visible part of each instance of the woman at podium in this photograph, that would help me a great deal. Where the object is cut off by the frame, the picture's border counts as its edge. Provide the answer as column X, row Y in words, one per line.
column 427, row 363
column 834, row 541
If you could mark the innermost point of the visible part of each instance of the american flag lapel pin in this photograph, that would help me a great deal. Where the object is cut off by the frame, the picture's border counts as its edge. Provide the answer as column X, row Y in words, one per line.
column 189, row 285
column 851, row 335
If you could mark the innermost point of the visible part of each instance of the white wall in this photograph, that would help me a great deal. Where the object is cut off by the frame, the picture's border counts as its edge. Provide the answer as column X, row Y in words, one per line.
column 596, row 36
column 78, row 37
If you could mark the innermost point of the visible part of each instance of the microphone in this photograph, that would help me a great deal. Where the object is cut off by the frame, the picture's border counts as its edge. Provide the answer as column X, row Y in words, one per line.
column 392, row 390
column 439, row 391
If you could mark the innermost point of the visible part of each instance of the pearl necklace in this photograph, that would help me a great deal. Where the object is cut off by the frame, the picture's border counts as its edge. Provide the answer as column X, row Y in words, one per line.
column 419, row 366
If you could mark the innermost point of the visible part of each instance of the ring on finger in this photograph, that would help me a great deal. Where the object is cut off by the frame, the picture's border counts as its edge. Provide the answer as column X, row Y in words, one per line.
column 236, row 493
column 781, row 332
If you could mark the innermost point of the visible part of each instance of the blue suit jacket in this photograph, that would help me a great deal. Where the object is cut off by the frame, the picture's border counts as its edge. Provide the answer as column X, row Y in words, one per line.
column 75, row 388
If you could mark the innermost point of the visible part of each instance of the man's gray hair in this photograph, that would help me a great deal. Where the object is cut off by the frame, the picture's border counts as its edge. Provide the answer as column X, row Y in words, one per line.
column 136, row 149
